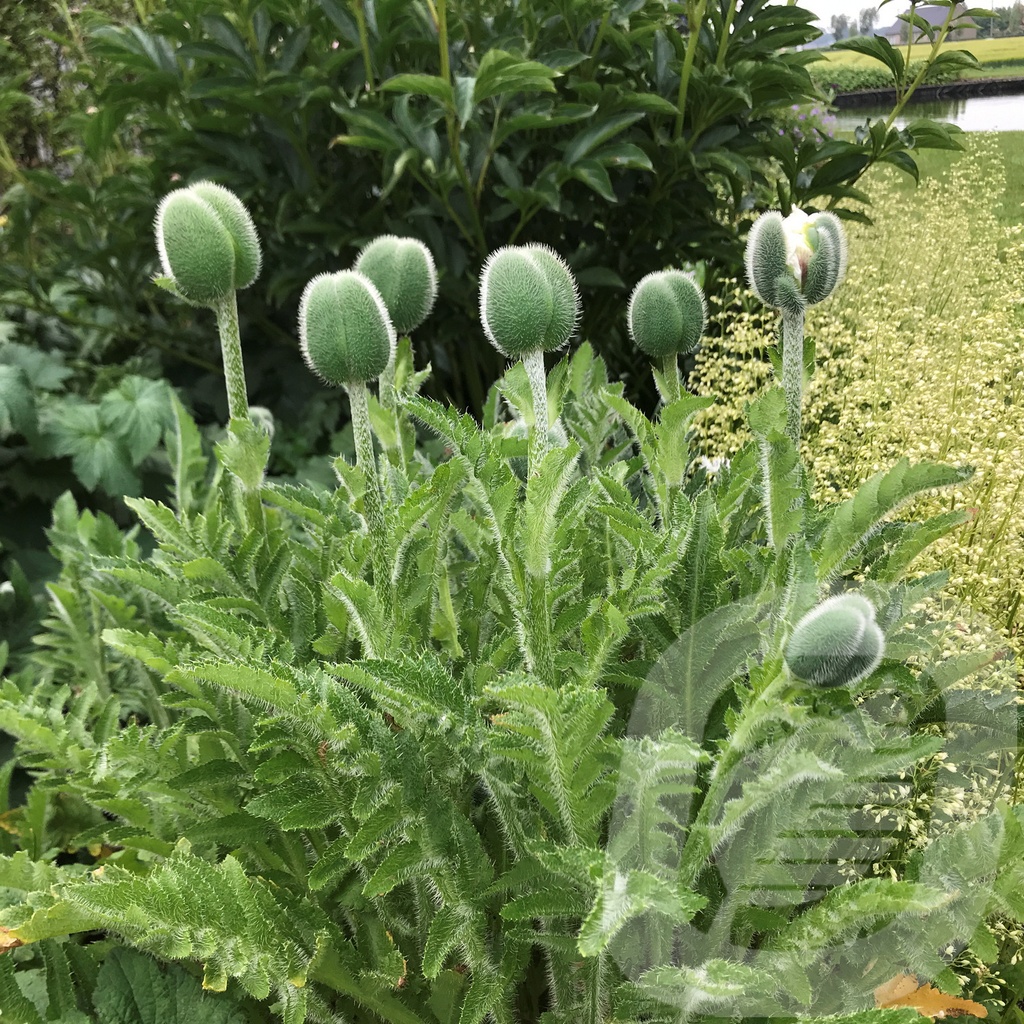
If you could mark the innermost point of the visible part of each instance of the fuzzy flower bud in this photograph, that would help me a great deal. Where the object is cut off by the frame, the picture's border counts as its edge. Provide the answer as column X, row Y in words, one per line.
column 345, row 331
column 795, row 261
column 207, row 242
column 529, row 301
column 402, row 269
column 836, row 644
column 667, row 314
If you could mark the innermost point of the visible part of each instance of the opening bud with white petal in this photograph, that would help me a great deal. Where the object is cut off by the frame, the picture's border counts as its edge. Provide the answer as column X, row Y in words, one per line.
column 403, row 271
column 838, row 643
column 529, row 301
column 667, row 314
column 207, row 242
column 345, row 330
column 795, row 261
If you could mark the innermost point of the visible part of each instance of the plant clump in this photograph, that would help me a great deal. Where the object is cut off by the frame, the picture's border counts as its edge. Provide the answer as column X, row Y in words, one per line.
column 389, row 720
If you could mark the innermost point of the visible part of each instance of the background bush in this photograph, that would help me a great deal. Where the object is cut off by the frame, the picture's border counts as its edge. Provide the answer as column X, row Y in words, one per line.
column 841, row 78
column 548, row 122
column 40, row 50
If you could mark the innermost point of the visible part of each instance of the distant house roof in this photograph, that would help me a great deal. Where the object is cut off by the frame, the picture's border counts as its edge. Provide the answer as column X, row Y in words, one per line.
column 934, row 15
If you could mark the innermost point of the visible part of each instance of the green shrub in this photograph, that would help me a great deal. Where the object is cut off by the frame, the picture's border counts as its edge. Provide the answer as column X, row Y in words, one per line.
column 422, row 747
column 534, row 129
column 607, row 134
column 39, row 52
column 840, row 78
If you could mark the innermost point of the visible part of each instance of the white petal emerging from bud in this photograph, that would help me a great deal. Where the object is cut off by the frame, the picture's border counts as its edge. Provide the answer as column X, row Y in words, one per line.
column 798, row 246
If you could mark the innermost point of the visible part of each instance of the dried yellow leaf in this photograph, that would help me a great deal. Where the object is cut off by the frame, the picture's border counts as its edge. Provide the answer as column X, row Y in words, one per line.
column 904, row 990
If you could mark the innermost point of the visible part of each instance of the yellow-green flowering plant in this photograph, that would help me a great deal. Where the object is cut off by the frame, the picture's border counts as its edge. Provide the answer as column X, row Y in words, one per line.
column 581, row 740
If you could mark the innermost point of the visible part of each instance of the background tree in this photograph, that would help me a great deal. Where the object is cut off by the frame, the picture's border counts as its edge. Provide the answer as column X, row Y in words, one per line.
column 1015, row 20
column 868, row 17
column 840, row 26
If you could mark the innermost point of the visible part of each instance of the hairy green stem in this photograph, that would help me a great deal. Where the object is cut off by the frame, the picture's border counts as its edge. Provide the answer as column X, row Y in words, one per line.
column 541, row 658
column 386, row 382
column 372, row 500
column 533, row 363
column 670, row 372
column 537, row 587
column 793, row 372
column 231, row 350
column 696, row 23
column 389, row 402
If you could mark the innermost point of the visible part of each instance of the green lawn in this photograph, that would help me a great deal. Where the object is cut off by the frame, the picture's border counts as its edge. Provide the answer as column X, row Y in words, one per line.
column 995, row 71
column 988, row 51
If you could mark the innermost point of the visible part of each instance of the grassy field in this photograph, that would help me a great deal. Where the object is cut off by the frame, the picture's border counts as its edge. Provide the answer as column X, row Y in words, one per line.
column 988, row 51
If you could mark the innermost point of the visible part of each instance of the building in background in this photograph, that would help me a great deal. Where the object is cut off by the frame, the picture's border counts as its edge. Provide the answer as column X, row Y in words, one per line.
column 966, row 27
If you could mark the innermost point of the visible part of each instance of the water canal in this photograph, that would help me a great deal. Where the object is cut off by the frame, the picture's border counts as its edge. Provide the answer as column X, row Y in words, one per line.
column 972, row 114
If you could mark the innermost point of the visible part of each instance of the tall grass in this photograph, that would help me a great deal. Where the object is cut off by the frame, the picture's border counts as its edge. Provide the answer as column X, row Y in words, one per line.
column 925, row 349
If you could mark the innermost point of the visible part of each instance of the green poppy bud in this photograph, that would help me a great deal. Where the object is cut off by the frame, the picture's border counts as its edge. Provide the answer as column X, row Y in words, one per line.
column 529, row 301
column 345, row 331
column 795, row 261
column 836, row 644
column 402, row 270
column 830, row 229
column 765, row 256
column 667, row 314
column 207, row 242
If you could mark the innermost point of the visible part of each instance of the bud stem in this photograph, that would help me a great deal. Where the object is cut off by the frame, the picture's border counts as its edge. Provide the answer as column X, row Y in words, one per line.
column 533, row 363
column 372, row 502
column 226, row 309
column 793, row 371
column 389, row 402
column 670, row 371
column 387, row 386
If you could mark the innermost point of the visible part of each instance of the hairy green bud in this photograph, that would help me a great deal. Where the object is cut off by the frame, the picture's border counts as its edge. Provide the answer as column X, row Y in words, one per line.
column 830, row 227
column 667, row 314
column 207, row 242
column 529, row 301
column 796, row 261
column 402, row 269
column 345, row 331
column 836, row 644
column 765, row 256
